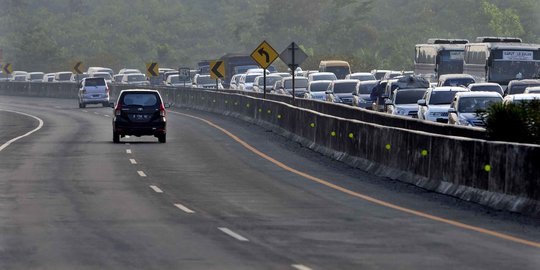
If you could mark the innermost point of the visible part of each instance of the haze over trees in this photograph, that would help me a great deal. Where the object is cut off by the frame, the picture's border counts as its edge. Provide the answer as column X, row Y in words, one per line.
column 52, row 35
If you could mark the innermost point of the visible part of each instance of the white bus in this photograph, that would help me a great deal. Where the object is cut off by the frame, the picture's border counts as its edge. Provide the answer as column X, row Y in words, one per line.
column 439, row 57
column 500, row 60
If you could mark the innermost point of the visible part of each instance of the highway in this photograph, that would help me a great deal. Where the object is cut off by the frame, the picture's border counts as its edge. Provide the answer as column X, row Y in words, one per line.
column 221, row 194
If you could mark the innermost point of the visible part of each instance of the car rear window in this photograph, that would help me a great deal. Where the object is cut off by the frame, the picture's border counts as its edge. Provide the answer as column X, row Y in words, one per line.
column 136, row 78
column 94, row 82
column 140, row 99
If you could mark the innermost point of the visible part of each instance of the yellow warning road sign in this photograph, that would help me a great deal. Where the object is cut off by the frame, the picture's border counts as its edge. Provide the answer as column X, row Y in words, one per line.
column 264, row 55
column 152, row 69
column 217, row 69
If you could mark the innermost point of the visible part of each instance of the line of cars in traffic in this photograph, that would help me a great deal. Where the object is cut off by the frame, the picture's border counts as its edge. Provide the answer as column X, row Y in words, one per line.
column 455, row 99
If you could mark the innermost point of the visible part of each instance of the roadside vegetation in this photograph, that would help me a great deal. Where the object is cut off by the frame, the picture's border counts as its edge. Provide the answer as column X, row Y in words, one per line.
column 514, row 122
column 52, row 35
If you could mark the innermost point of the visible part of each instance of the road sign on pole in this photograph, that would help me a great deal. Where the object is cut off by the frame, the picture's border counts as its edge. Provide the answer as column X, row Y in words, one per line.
column 78, row 68
column 293, row 56
column 264, row 55
column 152, row 69
column 8, row 69
column 217, row 69
column 184, row 74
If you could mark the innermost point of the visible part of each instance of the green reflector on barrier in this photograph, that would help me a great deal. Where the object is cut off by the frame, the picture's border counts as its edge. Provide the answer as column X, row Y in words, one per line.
column 279, row 116
column 269, row 111
column 424, row 152
column 333, row 134
column 351, row 136
column 236, row 104
column 388, row 146
column 312, row 125
column 226, row 101
column 214, row 101
column 260, row 110
column 247, row 105
column 487, row 168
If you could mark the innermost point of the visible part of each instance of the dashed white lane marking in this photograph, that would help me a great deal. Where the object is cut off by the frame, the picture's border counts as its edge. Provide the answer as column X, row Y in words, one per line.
column 106, row 115
column 84, row 110
column 40, row 125
column 300, row 267
column 141, row 173
column 183, row 208
column 233, row 234
column 128, row 151
column 96, row 113
column 156, row 189
column 132, row 161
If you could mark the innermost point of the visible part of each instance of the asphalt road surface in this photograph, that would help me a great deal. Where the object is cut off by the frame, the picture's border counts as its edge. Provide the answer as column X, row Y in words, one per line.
column 207, row 199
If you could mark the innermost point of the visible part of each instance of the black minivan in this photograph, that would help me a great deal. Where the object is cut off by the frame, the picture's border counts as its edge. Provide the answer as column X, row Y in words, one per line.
column 139, row 112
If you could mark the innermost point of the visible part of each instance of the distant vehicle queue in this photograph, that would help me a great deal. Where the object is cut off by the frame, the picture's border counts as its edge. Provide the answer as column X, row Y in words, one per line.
column 452, row 82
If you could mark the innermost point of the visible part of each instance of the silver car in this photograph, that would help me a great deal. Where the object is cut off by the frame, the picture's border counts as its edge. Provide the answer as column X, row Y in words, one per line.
column 93, row 91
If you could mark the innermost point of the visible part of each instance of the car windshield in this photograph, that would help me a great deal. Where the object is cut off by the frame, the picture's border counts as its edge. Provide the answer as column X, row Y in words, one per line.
column 365, row 88
column 205, row 80
column 140, row 99
column 503, row 72
column 458, row 82
column 441, row 97
column 319, row 87
column 136, row 78
column 94, row 82
column 520, row 88
column 340, row 72
column 243, row 69
column 362, row 77
column 408, row 97
column 299, row 83
column 269, row 80
column 64, row 76
column 475, row 104
column 251, row 78
column 107, row 76
column 36, row 76
column 323, row 77
column 347, row 87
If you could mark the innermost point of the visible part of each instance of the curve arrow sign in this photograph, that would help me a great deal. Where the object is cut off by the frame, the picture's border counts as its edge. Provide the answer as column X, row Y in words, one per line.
column 265, row 53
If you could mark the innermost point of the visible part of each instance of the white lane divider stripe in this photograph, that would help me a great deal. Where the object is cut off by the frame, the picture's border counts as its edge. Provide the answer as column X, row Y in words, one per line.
column 156, row 189
column 96, row 113
column 141, row 173
column 128, row 151
column 40, row 125
column 183, row 208
column 84, row 110
column 132, row 161
column 106, row 115
column 233, row 234
column 300, row 267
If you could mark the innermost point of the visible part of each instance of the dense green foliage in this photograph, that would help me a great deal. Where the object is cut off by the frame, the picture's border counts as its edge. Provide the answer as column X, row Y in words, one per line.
column 51, row 35
column 514, row 122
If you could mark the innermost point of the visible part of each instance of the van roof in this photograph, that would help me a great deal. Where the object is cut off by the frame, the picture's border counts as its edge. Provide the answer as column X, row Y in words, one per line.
column 334, row 63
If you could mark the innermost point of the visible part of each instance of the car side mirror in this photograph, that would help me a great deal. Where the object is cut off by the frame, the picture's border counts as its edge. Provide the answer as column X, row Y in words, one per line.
column 422, row 102
column 452, row 110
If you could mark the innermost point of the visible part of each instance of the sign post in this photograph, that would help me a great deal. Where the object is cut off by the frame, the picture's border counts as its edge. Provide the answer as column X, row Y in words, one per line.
column 293, row 56
column 264, row 55
column 184, row 74
column 77, row 69
column 217, row 69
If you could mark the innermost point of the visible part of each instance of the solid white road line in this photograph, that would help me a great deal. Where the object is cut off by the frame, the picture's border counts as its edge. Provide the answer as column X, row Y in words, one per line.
column 40, row 125
column 96, row 113
column 233, row 234
column 132, row 161
column 301, row 267
column 141, row 173
column 156, row 189
column 128, row 151
column 183, row 208
column 106, row 115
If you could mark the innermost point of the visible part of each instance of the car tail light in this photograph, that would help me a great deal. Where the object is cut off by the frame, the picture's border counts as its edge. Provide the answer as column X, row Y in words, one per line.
column 118, row 109
column 162, row 111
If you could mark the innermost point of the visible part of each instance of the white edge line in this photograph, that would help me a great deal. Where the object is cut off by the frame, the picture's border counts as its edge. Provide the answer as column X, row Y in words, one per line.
column 141, row 173
column 8, row 143
column 300, row 267
column 183, row 208
column 156, row 189
column 132, row 161
column 233, row 234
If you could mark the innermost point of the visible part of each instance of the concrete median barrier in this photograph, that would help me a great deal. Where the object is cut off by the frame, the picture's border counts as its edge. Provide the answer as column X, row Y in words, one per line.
column 496, row 174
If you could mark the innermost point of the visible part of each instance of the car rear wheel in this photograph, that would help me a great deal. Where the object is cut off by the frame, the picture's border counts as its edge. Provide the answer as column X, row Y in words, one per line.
column 162, row 138
column 116, row 137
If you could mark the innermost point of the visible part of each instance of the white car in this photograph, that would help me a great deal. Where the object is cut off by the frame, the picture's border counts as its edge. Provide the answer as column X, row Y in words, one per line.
column 436, row 102
column 135, row 79
column 35, row 76
column 361, row 76
column 466, row 105
column 246, row 81
column 486, row 87
column 322, row 76
column 532, row 90
column 233, row 84
column 317, row 90
column 405, row 102
column 258, row 83
column 521, row 98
